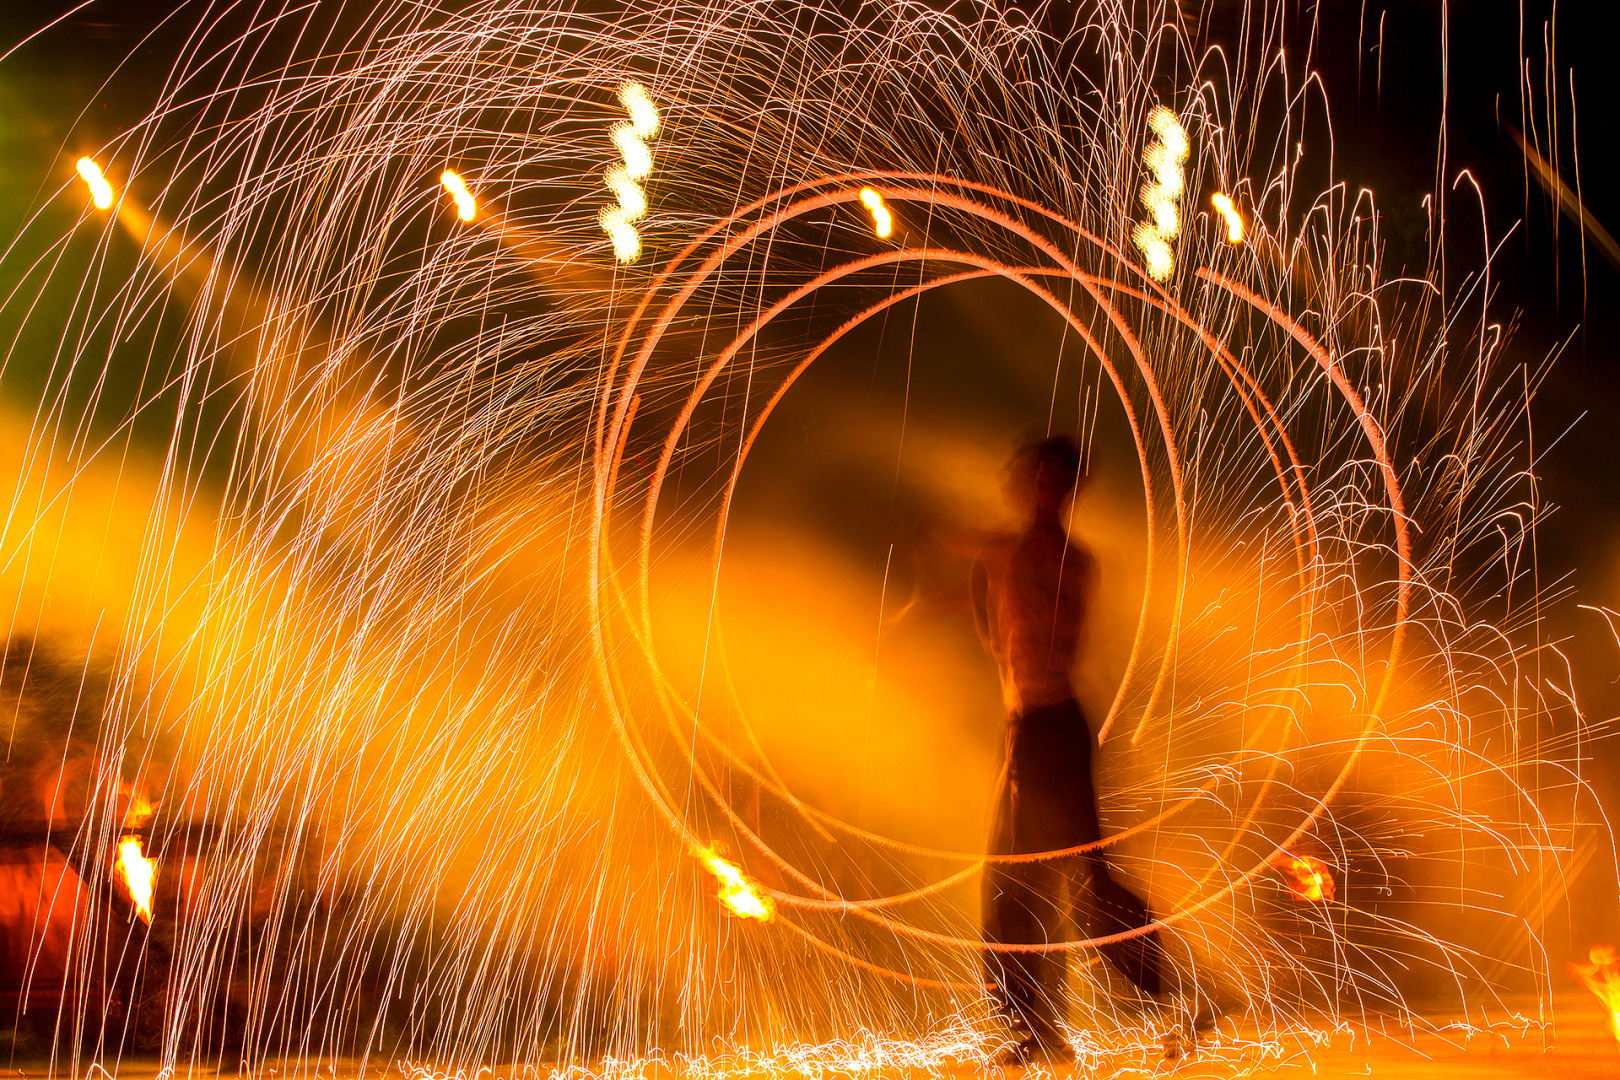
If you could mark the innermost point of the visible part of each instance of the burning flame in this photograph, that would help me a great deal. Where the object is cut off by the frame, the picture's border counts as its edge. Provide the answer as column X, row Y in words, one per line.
column 1234, row 222
column 1164, row 160
column 737, row 893
column 100, row 191
column 882, row 220
column 1308, row 878
column 140, row 807
column 458, row 191
column 630, row 137
column 1602, row 977
column 137, row 873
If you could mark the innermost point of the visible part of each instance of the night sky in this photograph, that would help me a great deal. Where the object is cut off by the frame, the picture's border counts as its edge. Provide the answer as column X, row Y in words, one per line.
column 1408, row 83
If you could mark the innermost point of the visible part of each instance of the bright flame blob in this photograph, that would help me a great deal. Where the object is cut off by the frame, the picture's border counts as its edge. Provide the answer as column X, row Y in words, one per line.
column 1602, row 977
column 137, row 873
column 1164, row 160
column 101, row 192
column 1308, row 878
column 630, row 137
column 1234, row 221
column 737, row 893
column 882, row 220
column 458, row 191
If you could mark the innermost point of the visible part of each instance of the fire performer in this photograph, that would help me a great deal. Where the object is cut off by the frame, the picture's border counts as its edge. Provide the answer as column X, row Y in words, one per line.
column 1031, row 591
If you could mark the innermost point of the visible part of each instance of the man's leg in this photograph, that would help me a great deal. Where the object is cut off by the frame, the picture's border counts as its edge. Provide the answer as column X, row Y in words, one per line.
column 1020, row 908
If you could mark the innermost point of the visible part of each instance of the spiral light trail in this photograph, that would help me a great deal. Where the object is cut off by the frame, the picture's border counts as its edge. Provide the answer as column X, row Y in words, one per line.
column 451, row 620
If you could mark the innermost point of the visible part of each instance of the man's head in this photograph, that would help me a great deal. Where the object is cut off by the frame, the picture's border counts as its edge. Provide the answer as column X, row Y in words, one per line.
column 1042, row 474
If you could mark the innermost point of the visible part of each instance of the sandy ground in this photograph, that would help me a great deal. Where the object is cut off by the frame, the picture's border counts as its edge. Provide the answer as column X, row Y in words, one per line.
column 1571, row 1043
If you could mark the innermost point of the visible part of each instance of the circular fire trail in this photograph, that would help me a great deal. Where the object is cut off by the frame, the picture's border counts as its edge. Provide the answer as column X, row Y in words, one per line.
column 530, row 620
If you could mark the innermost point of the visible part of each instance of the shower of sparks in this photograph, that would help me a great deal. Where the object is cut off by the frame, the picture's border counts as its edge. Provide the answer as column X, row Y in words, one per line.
column 101, row 192
column 1602, row 976
column 1234, row 220
column 1164, row 159
column 738, row 895
column 427, row 638
column 630, row 137
column 138, row 874
column 465, row 207
column 882, row 221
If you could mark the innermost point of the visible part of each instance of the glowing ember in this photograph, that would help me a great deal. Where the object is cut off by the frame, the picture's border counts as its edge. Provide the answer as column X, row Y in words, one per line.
column 100, row 191
column 1164, row 160
column 882, row 220
column 1308, row 878
column 630, row 137
column 1234, row 222
column 458, row 191
column 1602, row 977
column 737, row 893
column 137, row 872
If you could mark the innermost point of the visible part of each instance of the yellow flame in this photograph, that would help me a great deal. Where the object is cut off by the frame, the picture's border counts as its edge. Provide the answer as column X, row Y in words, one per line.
column 138, row 872
column 1164, row 160
column 882, row 220
column 639, row 104
column 1234, row 221
column 101, row 192
column 1308, row 878
column 1602, row 977
column 737, row 893
column 1160, row 260
column 140, row 808
column 458, row 191
column 628, row 135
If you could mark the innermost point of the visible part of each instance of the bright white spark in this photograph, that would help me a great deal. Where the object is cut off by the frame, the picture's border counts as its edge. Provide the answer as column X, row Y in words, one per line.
column 882, row 220
column 1234, row 221
column 458, row 191
column 100, row 191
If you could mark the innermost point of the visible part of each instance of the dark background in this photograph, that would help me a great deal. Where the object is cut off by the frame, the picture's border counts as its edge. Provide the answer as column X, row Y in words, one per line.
column 1421, row 94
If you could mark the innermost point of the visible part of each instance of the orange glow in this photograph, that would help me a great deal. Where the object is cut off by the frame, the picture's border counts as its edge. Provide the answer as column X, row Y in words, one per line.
column 137, row 872
column 737, row 893
column 1602, row 977
column 1308, row 878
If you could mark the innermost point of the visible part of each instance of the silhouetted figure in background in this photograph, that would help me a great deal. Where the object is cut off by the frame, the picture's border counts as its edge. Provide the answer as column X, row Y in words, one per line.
column 1031, row 592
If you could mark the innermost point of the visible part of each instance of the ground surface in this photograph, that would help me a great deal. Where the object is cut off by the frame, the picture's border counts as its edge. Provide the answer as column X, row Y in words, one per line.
column 1572, row 1042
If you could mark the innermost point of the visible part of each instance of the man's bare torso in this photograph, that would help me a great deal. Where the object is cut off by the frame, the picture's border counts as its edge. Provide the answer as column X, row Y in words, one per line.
column 1030, row 595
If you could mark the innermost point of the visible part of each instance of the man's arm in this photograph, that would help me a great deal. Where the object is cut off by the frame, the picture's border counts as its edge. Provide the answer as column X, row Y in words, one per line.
column 979, row 590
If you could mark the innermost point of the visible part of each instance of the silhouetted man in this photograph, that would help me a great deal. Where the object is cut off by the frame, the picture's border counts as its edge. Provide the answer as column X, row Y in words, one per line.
column 1031, row 592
